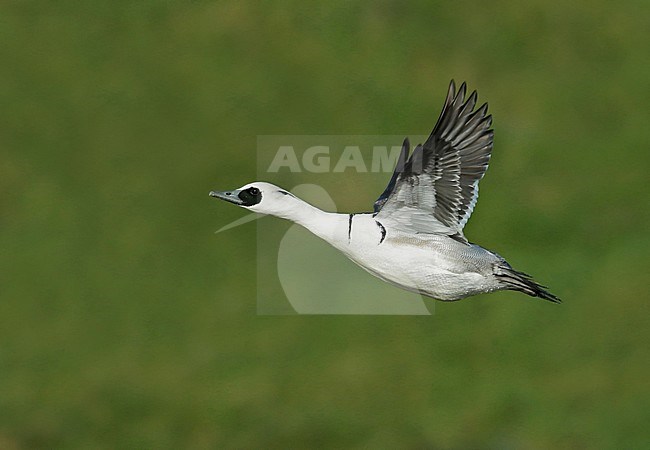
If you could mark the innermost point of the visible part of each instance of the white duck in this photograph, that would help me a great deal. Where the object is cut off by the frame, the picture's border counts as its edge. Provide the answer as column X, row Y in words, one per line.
column 414, row 239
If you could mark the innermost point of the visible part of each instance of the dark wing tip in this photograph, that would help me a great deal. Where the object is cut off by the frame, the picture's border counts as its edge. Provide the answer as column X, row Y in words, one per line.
column 399, row 169
column 451, row 93
column 403, row 154
column 461, row 91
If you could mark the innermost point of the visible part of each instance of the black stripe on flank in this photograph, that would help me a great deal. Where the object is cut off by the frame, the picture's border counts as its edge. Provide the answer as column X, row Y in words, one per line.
column 383, row 231
column 350, row 227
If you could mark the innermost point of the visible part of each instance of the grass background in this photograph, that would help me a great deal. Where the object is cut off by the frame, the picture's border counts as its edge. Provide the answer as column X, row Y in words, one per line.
column 126, row 323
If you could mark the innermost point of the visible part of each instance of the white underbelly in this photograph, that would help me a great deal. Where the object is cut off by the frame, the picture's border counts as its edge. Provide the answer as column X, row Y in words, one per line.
column 433, row 265
column 422, row 270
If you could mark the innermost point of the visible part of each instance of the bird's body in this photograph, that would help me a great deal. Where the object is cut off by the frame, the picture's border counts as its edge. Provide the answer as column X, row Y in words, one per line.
column 414, row 238
column 433, row 265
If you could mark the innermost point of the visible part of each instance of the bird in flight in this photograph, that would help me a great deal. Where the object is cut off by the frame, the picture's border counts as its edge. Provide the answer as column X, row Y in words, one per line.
column 414, row 237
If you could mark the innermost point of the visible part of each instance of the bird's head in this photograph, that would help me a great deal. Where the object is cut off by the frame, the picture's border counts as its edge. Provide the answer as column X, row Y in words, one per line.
column 260, row 197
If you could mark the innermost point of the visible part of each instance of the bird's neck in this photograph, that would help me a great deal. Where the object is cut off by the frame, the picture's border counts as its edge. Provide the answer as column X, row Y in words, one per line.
column 326, row 225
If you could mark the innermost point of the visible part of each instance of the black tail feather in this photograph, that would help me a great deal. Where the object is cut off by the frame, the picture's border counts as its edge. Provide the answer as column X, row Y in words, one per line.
column 522, row 282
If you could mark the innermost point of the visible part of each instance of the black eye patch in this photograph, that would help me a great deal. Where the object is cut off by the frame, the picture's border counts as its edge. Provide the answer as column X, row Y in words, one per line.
column 251, row 196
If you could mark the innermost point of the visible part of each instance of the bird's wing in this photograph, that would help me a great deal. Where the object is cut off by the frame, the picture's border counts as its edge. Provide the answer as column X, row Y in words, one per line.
column 436, row 189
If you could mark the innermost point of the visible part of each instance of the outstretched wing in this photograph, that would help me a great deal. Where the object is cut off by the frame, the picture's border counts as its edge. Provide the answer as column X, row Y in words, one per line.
column 436, row 190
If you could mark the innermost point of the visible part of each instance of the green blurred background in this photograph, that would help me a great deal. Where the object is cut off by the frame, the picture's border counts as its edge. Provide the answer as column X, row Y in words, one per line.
column 126, row 322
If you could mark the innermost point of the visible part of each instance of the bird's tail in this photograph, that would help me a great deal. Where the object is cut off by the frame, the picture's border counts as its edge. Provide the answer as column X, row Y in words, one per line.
column 522, row 282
